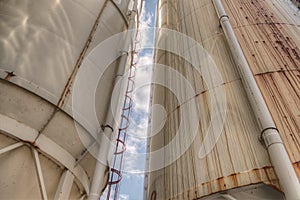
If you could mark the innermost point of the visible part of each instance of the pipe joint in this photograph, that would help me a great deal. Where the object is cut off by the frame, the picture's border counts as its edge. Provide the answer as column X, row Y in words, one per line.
column 223, row 18
column 270, row 136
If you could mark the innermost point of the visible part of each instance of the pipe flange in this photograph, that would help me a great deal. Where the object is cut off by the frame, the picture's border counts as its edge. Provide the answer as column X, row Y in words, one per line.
column 271, row 138
column 223, row 16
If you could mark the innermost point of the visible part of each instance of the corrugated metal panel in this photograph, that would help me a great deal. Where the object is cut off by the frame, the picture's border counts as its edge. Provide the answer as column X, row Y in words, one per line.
column 272, row 49
column 42, row 44
column 269, row 36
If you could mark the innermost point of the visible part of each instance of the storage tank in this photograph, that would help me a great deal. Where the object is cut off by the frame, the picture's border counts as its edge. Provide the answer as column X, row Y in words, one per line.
column 296, row 2
column 43, row 46
column 237, row 165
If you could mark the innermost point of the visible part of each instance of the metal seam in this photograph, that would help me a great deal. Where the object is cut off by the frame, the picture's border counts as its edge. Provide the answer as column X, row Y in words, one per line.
column 120, row 12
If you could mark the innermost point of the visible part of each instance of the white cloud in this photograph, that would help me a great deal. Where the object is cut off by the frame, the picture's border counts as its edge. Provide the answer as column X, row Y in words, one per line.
column 143, row 83
column 123, row 197
column 146, row 17
column 134, row 158
column 145, row 22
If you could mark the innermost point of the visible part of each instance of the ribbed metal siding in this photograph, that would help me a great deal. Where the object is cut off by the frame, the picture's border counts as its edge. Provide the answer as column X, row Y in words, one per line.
column 269, row 35
column 238, row 158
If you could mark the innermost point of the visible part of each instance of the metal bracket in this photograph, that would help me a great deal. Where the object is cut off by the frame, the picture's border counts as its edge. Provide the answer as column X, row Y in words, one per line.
column 262, row 142
column 106, row 126
column 124, row 53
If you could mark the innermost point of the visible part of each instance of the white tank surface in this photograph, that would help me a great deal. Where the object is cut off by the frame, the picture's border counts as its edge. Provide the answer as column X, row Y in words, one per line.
column 43, row 44
column 238, row 166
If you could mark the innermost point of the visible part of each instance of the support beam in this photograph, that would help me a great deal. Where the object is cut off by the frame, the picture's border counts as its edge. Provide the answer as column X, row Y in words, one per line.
column 11, row 147
column 39, row 173
column 49, row 148
column 65, row 185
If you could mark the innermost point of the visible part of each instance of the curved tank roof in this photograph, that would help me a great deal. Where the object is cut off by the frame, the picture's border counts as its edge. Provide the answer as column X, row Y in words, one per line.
column 43, row 45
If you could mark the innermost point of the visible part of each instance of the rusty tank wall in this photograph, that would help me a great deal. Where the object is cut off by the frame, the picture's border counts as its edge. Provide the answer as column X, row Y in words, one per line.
column 268, row 32
column 42, row 46
column 296, row 2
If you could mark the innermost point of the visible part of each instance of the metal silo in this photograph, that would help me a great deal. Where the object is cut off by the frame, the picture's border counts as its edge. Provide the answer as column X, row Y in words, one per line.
column 257, row 153
column 43, row 45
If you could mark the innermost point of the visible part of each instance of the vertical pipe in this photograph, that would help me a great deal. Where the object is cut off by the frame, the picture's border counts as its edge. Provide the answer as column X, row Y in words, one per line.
column 105, row 148
column 279, row 158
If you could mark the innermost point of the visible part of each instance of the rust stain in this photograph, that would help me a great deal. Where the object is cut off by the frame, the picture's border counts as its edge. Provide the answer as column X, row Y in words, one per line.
column 284, row 108
column 275, row 64
column 197, row 198
column 232, row 181
column 268, row 39
column 296, row 3
column 67, row 88
column 266, row 22
column 9, row 75
column 286, row 44
column 32, row 144
column 296, row 166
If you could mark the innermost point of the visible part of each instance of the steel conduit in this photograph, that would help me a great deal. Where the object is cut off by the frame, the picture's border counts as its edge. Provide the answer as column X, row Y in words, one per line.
column 104, row 148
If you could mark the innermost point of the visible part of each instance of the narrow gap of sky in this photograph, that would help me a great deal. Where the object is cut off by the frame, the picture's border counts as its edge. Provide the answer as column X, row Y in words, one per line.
column 132, row 183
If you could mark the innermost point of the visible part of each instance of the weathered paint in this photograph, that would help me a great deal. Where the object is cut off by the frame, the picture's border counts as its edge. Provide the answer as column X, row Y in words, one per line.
column 43, row 44
column 268, row 32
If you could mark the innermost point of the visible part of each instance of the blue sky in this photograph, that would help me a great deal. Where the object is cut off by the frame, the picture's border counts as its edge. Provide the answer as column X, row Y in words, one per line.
column 132, row 184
